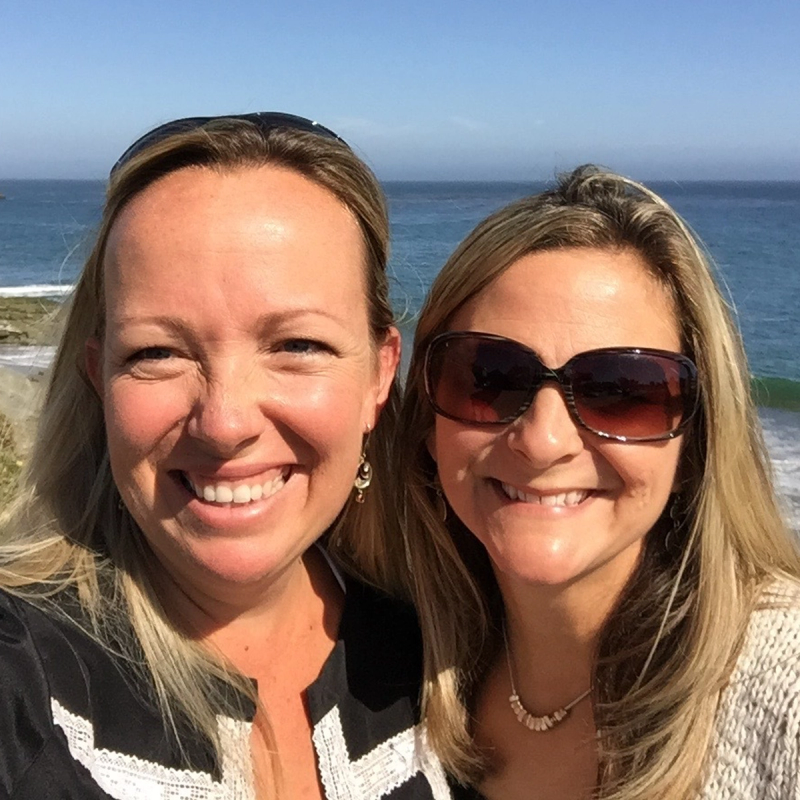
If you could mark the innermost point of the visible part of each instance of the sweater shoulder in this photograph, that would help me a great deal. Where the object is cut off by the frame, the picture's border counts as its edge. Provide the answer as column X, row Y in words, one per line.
column 756, row 745
column 770, row 656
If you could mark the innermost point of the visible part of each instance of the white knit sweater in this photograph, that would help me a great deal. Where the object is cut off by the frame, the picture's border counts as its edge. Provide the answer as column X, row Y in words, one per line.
column 756, row 749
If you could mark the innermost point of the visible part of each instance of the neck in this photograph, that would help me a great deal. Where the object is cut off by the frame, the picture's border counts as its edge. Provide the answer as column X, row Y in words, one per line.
column 552, row 634
column 305, row 590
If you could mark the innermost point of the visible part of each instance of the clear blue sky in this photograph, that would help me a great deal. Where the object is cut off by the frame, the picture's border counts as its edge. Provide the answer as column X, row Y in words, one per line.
column 454, row 89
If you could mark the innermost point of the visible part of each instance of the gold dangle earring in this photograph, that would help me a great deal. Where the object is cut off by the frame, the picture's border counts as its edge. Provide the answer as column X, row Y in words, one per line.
column 364, row 472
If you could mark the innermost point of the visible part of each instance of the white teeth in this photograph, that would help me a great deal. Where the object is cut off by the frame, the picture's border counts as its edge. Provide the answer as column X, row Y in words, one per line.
column 571, row 498
column 239, row 494
column 223, row 494
column 575, row 497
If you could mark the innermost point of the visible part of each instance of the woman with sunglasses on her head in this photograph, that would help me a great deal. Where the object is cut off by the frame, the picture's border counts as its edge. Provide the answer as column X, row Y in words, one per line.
column 168, row 625
column 608, row 594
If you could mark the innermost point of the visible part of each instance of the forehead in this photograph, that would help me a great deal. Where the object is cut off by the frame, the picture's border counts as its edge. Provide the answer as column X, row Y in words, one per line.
column 246, row 198
column 228, row 230
column 566, row 301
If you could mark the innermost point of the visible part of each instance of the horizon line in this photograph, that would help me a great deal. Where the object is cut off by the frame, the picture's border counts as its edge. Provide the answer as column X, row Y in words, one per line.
column 509, row 181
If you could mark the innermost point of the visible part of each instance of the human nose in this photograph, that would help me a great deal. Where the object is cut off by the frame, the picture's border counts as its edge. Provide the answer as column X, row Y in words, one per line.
column 228, row 413
column 546, row 432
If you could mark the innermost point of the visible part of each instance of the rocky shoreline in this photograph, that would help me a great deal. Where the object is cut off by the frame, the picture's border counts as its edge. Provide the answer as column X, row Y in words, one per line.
column 28, row 320
column 24, row 321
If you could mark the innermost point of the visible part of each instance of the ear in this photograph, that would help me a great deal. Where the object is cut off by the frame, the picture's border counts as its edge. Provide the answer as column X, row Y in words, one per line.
column 93, row 363
column 388, row 361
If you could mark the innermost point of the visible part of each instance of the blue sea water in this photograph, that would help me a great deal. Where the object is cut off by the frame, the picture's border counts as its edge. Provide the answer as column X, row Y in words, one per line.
column 751, row 229
column 45, row 232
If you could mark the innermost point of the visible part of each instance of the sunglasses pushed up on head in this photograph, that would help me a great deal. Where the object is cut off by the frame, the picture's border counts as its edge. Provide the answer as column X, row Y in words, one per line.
column 628, row 394
column 265, row 121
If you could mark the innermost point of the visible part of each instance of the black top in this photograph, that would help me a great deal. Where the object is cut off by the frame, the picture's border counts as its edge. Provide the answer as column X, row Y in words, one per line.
column 465, row 793
column 74, row 727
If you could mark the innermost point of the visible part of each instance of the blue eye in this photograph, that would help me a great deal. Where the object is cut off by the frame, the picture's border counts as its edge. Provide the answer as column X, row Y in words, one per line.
column 151, row 354
column 304, row 346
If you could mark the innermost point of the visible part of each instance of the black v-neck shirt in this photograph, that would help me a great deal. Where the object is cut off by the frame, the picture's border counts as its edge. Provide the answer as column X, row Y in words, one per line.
column 74, row 726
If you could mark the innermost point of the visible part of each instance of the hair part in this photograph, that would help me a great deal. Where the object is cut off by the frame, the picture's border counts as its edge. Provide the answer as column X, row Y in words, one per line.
column 672, row 639
column 67, row 530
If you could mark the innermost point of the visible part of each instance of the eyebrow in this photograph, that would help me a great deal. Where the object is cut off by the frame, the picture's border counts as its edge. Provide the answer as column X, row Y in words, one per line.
column 265, row 321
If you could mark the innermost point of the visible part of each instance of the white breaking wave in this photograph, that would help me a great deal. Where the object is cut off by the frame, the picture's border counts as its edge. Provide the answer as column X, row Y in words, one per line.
column 782, row 433
column 27, row 359
column 37, row 290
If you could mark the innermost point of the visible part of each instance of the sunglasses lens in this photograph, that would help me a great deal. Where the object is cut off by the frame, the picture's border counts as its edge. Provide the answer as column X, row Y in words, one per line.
column 480, row 380
column 635, row 395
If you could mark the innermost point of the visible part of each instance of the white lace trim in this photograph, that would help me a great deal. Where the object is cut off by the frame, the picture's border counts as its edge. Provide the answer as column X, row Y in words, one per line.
column 126, row 777
column 371, row 777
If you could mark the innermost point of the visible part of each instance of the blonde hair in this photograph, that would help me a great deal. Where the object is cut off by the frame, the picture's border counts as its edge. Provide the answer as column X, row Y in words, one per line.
column 67, row 529
column 670, row 643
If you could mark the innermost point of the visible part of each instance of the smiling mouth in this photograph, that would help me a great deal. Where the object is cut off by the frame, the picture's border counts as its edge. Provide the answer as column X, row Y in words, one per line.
column 225, row 493
column 574, row 497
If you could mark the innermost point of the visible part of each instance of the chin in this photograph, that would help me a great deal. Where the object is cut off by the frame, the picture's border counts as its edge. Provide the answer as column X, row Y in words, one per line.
column 544, row 575
column 552, row 564
column 238, row 571
column 211, row 564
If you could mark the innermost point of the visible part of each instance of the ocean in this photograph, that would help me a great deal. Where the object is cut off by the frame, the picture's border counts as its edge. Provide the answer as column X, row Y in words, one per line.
column 751, row 229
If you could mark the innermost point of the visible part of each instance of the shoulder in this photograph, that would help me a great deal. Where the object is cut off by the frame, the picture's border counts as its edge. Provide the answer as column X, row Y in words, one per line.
column 757, row 735
column 766, row 678
column 36, row 645
column 77, row 720
column 35, row 653
column 771, row 652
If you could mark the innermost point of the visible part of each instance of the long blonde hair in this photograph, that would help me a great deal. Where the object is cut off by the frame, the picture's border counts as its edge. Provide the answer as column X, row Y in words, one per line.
column 67, row 529
column 671, row 641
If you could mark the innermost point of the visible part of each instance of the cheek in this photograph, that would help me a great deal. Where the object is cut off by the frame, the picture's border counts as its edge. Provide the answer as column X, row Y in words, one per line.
column 648, row 474
column 340, row 395
column 328, row 418
column 459, row 453
column 138, row 417
column 340, row 400
column 443, row 446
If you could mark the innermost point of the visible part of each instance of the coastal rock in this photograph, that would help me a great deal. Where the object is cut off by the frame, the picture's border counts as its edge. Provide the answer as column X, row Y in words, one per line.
column 10, row 333
column 20, row 398
column 28, row 320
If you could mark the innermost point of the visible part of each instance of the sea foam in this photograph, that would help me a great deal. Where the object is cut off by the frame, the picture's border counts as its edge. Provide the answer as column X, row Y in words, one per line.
column 782, row 434
column 37, row 290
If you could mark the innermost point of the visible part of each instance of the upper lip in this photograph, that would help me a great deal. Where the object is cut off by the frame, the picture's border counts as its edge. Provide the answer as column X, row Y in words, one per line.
column 234, row 472
column 549, row 491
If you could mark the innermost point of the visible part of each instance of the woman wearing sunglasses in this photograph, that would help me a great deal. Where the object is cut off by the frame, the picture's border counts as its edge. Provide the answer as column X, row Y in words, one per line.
column 608, row 594
column 169, row 626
